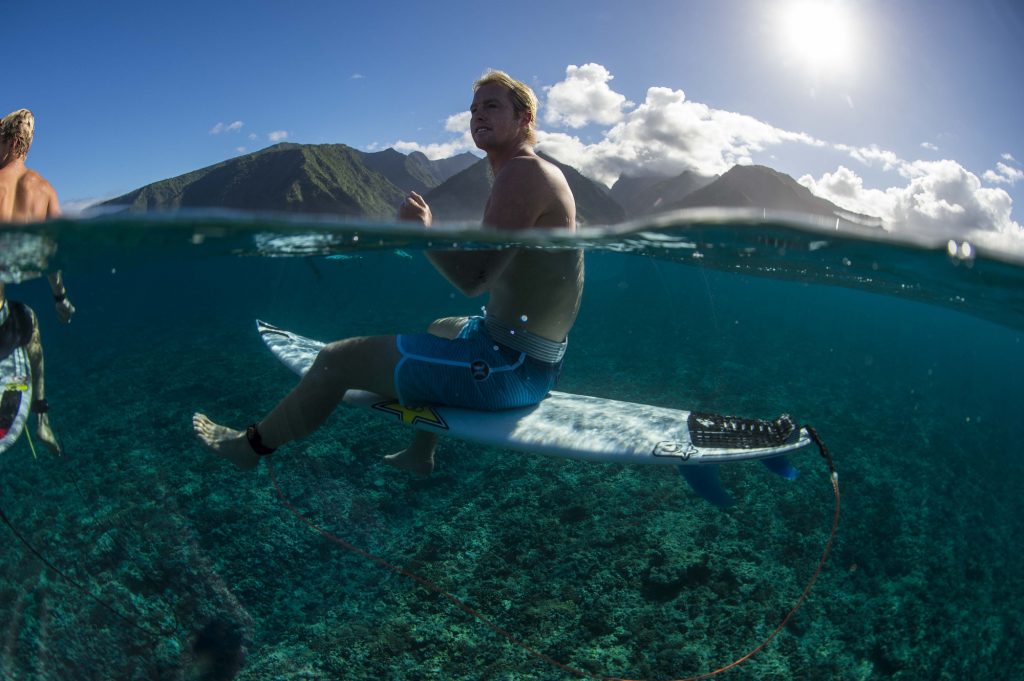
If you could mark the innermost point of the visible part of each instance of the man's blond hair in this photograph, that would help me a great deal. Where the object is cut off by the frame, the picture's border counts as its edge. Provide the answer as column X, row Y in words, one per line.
column 523, row 99
column 18, row 126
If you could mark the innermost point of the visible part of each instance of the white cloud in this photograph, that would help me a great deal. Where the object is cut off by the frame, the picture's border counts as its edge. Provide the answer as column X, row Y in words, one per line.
column 357, row 76
column 230, row 127
column 277, row 135
column 669, row 134
column 432, row 151
column 583, row 98
column 253, row 136
column 1009, row 157
column 872, row 154
column 940, row 198
column 929, row 146
column 76, row 207
column 241, row 150
column 1003, row 174
column 458, row 123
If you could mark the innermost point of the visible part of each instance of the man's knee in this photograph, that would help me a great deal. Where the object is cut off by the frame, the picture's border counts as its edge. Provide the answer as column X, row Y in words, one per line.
column 335, row 356
column 448, row 327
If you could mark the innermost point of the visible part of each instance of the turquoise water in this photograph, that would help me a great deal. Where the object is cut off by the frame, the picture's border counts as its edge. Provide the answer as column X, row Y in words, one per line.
column 908, row 362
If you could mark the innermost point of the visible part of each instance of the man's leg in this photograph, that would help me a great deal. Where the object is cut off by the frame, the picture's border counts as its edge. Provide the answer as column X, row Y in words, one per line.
column 35, row 359
column 366, row 363
column 418, row 457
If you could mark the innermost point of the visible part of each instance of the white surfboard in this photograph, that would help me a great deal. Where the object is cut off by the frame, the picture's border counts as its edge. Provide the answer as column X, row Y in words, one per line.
column 582, row 427
column 16, row 398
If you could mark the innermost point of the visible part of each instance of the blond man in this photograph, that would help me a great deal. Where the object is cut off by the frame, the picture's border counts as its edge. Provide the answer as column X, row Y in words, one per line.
column 510, row 357
column 26, row 197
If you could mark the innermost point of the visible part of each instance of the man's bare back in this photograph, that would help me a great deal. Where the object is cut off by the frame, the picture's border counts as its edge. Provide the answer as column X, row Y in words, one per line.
column 25, row 196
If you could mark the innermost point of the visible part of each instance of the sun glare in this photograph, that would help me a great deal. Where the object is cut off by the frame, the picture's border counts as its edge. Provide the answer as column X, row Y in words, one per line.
column 819, row 35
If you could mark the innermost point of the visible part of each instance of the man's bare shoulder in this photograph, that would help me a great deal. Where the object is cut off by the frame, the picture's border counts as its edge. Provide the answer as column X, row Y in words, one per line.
column 530, row 192
column 532, row 174
column 532, row 165
column 33, row 181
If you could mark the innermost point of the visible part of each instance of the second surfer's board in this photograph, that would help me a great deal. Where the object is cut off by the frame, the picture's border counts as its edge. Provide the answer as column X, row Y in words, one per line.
column 16, row 398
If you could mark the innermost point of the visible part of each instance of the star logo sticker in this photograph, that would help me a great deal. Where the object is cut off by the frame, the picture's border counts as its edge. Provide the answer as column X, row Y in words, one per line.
column 412, row 416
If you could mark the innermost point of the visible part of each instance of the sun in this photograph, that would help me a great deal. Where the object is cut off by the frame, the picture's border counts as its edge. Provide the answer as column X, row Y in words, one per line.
column 819, row 35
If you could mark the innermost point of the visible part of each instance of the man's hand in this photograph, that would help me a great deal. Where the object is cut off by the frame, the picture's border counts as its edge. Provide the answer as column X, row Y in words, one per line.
column 414, row 208
column 64, row 310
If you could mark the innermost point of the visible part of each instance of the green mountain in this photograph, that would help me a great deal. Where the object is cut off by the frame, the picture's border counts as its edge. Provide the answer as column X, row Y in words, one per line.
column 415, row 172
column 761, row 187
column 303, row 178
column 641, row 196
column 463, row 196
column 747, row 186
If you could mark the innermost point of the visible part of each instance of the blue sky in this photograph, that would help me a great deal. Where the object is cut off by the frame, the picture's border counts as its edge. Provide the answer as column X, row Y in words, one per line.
column 910, row 109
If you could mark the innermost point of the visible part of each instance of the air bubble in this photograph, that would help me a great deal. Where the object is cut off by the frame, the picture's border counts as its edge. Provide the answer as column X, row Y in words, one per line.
column 961, row 252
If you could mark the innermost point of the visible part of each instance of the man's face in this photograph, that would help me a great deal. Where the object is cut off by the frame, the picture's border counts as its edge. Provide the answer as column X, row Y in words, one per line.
column 494, row 122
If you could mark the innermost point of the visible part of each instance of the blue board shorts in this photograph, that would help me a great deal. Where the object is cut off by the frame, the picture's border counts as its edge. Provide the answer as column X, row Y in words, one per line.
column 470, row 371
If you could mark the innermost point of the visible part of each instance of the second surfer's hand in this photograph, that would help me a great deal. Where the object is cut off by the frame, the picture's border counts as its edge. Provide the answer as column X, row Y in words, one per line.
column 415, row 208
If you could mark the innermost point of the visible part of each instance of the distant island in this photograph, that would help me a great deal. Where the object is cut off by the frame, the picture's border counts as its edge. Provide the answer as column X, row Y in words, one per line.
column 340, row 180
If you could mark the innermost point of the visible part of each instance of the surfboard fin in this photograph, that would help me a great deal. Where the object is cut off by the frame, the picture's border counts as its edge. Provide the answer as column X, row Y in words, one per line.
column 706, row 483
column 781, row 466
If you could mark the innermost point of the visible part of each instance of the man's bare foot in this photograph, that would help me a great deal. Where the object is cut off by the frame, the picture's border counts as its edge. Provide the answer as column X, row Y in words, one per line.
column 412, row 461
column 45, row 434
column 418, row 458
column 225, row 442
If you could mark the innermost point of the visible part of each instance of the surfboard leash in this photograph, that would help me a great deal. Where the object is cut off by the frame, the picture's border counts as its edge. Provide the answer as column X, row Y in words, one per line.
column 78, row 585
column 74, row 582
column 511, row 638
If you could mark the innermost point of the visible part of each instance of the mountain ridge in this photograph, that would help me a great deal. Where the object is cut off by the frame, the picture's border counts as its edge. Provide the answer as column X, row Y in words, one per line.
column 341, row 180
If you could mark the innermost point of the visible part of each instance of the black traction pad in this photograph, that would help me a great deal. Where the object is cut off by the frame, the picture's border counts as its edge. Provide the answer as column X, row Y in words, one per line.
column 9, row 404
column 732, row 432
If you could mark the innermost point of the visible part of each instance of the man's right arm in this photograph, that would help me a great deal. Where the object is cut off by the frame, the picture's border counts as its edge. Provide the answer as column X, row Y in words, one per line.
column 472, row 272
column 61, row 303
column 519, row 197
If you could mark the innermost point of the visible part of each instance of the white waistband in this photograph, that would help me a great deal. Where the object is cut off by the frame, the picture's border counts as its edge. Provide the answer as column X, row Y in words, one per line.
column 536, row 347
